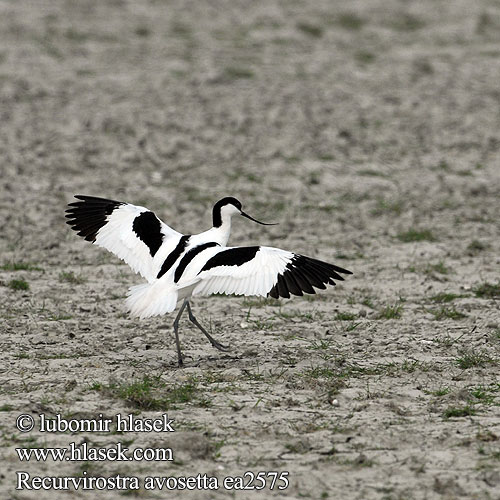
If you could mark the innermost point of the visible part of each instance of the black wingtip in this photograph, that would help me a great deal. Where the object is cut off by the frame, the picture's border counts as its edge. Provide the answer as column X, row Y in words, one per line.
column 342, row 270
column 89, row 215
column 302, row 273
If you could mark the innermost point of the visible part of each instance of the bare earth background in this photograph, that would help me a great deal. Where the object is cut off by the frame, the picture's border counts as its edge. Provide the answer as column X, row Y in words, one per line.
column 370, row 130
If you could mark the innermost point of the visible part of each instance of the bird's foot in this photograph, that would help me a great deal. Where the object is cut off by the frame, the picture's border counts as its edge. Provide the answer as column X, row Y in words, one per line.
column 218, row 345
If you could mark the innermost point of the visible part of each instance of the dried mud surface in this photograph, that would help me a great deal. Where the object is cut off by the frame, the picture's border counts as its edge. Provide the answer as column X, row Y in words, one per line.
column 370, row 130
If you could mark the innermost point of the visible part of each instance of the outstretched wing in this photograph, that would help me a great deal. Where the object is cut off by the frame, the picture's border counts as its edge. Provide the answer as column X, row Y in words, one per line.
column 264, row 271
column 132, row 233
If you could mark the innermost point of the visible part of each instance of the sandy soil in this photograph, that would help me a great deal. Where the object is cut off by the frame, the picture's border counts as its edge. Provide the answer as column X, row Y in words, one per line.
column 370, row 130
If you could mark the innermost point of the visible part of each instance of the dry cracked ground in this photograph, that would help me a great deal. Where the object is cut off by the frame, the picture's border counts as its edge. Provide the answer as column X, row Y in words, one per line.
column 370, row 130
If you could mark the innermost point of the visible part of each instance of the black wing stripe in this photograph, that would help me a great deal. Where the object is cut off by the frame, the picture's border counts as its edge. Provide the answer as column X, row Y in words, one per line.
column 86, row 213
column 323, row 270
column 289, row 285
column 303, row 282
column 188, row 257
column 327, row 266
column 314, row 280
column 86, row 216
column 88, row 208
column 93, row 204
column 292, row 284
column 86, row 221
column 173, row 255
column 96, row 199
column 340, row 269
column 147, row 227
column 323, row 266
column 336, row 276
column 282, row 289
column 87, row 237
column 88, row 229
column 231, row 257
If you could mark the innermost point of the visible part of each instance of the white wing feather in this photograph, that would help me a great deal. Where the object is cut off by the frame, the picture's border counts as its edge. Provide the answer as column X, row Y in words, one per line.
column 118, row 237
column 255, row 277
column 131, row 232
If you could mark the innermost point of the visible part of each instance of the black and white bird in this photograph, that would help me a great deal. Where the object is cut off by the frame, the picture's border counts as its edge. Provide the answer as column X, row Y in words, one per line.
column 178, row 266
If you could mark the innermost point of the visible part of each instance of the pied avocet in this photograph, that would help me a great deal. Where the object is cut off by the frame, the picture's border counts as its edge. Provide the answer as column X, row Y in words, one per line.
column 178, row 266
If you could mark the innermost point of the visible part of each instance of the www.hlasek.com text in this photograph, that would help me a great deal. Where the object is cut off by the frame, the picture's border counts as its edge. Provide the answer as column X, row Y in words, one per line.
column 83, row 453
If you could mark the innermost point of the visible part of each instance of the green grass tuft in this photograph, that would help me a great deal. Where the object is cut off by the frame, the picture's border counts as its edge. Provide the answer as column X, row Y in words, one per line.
column 485, row 395
column 385, row 206
column 470, row 359
column 152, row 393
column 59, row 317
column 368, row 302
column 326, row 157
column 368, row 172
column 365, row 56
column 329, row 379
column 22, row 355
column 350, row 21
column 416, row 235
column 444, row 297
column 439, row 268
column 487, row 290
column 19, row 266
column 18, row 285
column 408, row 22
column 457, row 412
column 447, row 312
column 76, row 36
column 180, row 29
column 423, row 66
column 142, row 31
column 390, row 312
column 476, row 246
column 343, row 316
column 310, row 29
column 237, row 73
column 71, row 277
column 484, row 23
column 441, row 392
column 443, row 165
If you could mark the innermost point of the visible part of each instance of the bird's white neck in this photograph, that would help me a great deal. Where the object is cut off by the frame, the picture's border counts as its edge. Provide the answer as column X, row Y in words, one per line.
column 221, row 234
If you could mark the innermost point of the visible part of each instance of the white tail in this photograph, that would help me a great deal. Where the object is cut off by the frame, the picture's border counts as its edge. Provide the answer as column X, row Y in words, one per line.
column 150, row 299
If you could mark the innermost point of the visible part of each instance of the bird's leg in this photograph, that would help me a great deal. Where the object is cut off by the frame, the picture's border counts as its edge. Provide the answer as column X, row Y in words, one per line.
column 176, row 330
column 214, row 342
